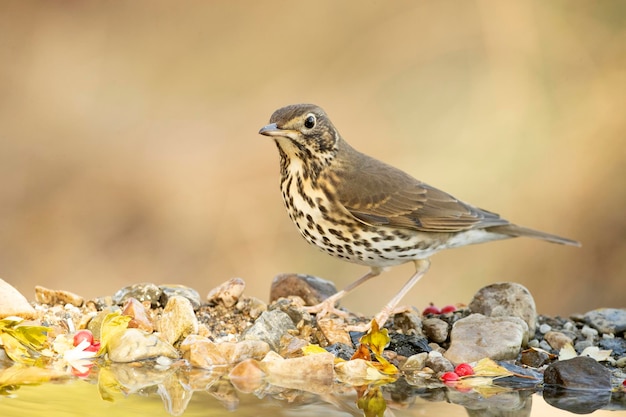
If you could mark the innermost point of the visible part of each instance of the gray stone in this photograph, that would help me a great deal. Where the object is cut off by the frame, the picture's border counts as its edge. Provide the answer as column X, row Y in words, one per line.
column 312, row 290
column 607, row 320
column 269, row 327
column 189, row 293
column 578, row 373
column 438, row 363
column 506, row 299
column 178, row 320
column 144, row 292
column 435, row 329
column 134, row 345
column 415, row 362
column 476, row 337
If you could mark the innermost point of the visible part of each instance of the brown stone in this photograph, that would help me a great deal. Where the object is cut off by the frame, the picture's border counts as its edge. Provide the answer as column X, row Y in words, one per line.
column 12, row 303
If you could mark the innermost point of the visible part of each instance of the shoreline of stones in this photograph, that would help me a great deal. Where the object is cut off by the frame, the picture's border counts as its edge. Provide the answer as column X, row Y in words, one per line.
column 265, row 341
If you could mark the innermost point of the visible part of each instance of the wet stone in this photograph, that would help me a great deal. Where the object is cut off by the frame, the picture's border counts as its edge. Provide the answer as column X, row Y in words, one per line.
column 435, row 329
column 227, row 293
column 535, row 358
column 408, row 345
column 134, row 345
column 476, row 337
column 269, row 327
column 170, row 290
column 506, row 299
column 557, row 340
column 290, row 373
column 144, row 292
column 312, row 290
column 13, row 303
column 415, row 362
column 578, row 373
column 51, row 297
column 341, row 350
column 438, row 363
column 607, row 320
column 616, row 344
column 178, row 320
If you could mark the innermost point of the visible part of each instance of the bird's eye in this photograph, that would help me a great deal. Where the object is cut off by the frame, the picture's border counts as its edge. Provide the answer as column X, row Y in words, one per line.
column 309, row 122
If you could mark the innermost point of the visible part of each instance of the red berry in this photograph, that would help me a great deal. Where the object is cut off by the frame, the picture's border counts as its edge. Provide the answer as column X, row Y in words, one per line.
column 448, row 309
column 83, row 335
column 464, row 369
column 94, row 347
column 431, row 309
column 449, row 377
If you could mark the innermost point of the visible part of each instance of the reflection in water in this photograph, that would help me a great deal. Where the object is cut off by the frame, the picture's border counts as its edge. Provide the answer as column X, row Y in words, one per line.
column 178, row 390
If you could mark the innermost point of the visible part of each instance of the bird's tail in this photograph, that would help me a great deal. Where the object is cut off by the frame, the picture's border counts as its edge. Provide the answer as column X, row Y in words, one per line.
column 514, row 230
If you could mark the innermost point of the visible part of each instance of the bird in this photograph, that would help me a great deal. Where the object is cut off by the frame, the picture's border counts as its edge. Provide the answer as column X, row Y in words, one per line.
column 362, row 210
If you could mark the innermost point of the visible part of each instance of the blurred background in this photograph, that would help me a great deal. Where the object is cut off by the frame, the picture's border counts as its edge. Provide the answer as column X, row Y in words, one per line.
column 129, row 149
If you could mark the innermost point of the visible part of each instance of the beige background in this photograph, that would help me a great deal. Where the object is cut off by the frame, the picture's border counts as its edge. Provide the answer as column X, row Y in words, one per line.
column 129, row 149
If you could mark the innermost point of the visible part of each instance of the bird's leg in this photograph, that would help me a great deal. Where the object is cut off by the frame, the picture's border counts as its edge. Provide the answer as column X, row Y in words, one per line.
column 421, row 267
column 327, row 306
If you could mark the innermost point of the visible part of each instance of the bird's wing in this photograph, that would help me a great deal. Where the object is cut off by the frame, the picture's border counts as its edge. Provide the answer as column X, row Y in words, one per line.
column 379, row 194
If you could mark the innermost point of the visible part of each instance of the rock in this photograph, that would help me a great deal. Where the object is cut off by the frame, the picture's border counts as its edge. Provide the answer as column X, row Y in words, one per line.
column 607, row 320
column 140, row 318
column 544, row 328
column 134, row 345
column 334, row 331
column 227, row 293
column 311, row 373
column 476, row 337
column 247, row 376
column 341, row 350
column 51, row 297
column 535, row 358
column 312, row 290
column 203, row 353
column 269, row 327
column 144, row 292
column 438, row 363
column 435, row 329
column 615, row 344
column 13, row 303
column 582, row 373
column 506, row 299
column 293, row 306
column 407, row 345
column 415, row 362
column 576, row 401
column 95, row 324
column 171, row 290
column 557, row 340
column 178, row 320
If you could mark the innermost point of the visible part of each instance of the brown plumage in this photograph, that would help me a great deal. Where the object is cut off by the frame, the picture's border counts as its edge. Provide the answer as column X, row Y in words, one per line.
column 365, row 211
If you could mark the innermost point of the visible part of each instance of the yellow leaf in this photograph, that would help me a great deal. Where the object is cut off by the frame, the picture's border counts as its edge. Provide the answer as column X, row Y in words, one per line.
column 312, row 349
column 372, row 403
column 112, row 325
column 108, row 384
column 567, row 352
column 489, row 368
column 376, row 339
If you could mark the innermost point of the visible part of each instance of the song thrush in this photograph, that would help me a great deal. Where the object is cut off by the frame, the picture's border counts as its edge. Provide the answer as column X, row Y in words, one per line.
column 362, row 210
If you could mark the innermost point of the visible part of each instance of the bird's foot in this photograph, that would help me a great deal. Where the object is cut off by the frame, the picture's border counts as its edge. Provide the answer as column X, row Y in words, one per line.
column 381, row 318
column 325, row 309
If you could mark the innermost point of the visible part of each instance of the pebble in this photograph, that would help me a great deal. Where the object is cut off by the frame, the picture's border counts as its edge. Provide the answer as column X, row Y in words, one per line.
column 534, row 357
column 51, row 297
column 544, row 328
column 178, row 320
column 408, row 345
column 557, row 340
column 476, row 337
column 311, row 373
column 189, row 293
column 312, row 290
column 334, row 331
column 341, row 350
column 134, row 345
column 139, row 315
column 203, row 353
column 438, row 363
column 607, row 320
column 588, row 332
column 506, row 299
column 435, row 329
column 578, row 373
column 13, row 303
column 227, row 293
column 143, row 292
column 269, row 327
column 415, row 362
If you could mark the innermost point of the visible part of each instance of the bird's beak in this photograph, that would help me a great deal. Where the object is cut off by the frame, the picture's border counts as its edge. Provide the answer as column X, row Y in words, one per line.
column 271, row 130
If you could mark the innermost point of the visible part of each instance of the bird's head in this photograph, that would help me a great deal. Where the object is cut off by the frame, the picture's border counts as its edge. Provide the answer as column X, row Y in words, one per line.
column 303, row 131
